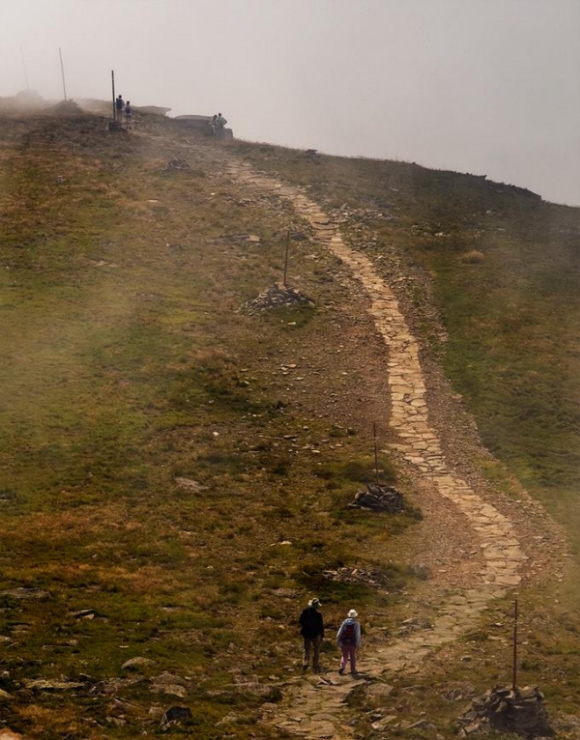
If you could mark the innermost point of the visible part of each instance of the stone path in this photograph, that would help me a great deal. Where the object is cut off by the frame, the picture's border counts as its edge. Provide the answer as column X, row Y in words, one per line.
column 312, row 708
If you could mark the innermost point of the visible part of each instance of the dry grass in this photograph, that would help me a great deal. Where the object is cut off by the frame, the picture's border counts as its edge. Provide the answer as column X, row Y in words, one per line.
column 127, row 367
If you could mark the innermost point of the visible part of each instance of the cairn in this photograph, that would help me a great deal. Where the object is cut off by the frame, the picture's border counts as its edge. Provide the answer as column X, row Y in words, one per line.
column 277, row 296
column 504, row 709
column 175, row 165
column 378, row 497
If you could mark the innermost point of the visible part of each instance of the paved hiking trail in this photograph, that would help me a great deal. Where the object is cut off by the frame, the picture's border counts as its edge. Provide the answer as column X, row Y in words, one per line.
column 312, row 708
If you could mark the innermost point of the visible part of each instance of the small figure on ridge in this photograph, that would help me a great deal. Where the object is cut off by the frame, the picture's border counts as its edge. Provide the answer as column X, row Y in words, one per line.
column 119, row 107
column 128, row 113
column 220, row 124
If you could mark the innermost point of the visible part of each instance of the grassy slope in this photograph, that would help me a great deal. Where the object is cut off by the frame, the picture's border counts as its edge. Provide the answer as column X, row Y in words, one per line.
column 512, row 315
column 125, row 366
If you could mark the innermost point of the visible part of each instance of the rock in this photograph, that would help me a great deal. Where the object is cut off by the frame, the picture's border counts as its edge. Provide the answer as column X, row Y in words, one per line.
column 156, row 712
column 568, row 723
column 84, row 614
column 41, row 684
column 170, row 690
column 422, row 724
column 114, row 686
column 375, row 695
column 167, row 679
column 25, row 593
column 134, row 664
column 384, row 722
column 420, row 571
column 230, row 717
column 285, row 593
column 169, row 684
column 459, row 691
column 190, row 485
column 175, row 717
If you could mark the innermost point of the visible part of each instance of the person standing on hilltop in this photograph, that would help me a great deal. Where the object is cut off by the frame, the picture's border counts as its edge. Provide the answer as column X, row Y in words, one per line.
column 312, row 630
column 128, row 113
column 214, row 124
column 348, row 639
column 221, row 123
column 119, row 107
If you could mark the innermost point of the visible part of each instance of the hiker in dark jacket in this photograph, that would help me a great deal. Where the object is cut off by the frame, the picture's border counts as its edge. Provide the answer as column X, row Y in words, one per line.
column 348, row 639
column 119, row 107
column 312, row 630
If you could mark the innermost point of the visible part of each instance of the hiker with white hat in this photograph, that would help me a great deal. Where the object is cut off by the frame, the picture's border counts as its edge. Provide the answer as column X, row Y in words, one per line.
column 348, row 639
column 312, row 630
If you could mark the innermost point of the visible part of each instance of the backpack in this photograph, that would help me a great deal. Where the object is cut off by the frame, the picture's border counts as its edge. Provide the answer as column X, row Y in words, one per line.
column 348, row 636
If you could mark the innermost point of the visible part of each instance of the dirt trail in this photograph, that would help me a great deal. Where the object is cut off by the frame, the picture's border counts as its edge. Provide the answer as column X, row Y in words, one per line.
column 314, row 708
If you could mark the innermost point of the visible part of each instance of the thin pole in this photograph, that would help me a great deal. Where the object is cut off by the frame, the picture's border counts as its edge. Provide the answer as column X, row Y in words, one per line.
column 286, row 256
column 113, row 86
column 62, row 71
column 24, row 67
column 515, row 659
column 376, row 453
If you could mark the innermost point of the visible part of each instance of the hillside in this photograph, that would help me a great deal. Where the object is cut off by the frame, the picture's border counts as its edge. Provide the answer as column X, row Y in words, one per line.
column 176, row 472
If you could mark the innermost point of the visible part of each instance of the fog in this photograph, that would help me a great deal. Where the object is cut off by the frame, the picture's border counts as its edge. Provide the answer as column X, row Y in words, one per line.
column 483, row 86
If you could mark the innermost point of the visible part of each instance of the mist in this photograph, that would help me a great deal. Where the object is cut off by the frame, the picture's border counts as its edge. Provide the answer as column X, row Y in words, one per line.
column 486, row 86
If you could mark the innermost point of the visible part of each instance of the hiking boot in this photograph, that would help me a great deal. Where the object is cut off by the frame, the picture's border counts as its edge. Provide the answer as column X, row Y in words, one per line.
column 341, row 671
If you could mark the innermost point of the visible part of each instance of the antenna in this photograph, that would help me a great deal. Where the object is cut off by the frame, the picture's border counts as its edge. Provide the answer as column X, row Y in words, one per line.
column 24, row 67
column 113, row 87
column 62, row 71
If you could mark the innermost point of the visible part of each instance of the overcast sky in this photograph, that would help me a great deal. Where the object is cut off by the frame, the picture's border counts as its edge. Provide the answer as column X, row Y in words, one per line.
column 484, row 86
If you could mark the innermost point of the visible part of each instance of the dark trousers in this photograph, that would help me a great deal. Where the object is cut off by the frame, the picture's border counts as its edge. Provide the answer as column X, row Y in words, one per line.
column 312, row 644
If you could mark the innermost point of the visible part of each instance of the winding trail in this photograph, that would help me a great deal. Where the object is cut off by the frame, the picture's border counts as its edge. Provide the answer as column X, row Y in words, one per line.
column 313, row 709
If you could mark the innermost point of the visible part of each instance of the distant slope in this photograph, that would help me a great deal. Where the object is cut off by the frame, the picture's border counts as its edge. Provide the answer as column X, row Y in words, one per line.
column 505, row 269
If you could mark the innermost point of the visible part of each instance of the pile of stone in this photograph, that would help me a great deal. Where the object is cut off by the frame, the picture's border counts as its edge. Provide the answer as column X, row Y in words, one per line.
column 277, row 296
column 176, row 164
column 379, row 498
column 520, row 711
column 370, row 577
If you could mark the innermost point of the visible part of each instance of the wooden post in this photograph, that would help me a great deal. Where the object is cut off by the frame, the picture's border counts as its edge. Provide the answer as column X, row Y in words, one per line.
column 286, row 257
column 113, row 86
column 376, row 453
column 62, row 72
column 515, row 656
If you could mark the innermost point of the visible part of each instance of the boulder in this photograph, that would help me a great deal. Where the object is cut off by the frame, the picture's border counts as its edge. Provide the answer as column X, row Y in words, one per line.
column 134, row 664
